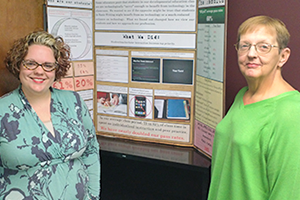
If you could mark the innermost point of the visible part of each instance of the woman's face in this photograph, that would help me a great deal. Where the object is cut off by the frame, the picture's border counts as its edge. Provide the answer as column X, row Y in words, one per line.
column 254, row 65
column 37, row 81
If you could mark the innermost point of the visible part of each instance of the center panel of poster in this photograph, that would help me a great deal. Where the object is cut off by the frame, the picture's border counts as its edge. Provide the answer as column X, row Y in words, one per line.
column 151, row 97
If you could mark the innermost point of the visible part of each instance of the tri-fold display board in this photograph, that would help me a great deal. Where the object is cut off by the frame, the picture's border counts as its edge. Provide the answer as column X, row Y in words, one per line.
column 149, row 70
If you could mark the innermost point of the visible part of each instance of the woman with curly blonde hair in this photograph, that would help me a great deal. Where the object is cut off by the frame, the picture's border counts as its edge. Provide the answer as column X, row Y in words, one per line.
column 48, row 143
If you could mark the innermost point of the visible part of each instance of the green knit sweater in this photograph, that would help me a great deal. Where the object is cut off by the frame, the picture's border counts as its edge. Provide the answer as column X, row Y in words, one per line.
column 256, row 151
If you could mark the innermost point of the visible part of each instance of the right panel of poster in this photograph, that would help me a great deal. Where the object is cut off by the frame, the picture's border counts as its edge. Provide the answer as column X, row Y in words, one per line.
column 209, row 84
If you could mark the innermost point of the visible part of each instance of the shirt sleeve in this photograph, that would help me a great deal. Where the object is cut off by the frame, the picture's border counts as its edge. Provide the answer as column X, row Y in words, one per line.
column 283, row 158
column 91, row 157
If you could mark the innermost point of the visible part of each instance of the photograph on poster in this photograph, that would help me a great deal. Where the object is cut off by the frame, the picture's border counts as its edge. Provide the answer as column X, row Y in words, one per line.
column 172, row 108
column 112, row 103
column 177, row 71
column 145, row 69
column 140, row 106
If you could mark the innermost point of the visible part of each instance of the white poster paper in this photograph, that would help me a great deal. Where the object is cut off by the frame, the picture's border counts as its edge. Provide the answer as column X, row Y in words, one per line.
column 150, row 40
column 154, row 15
column 75, row 27
column 71, row 3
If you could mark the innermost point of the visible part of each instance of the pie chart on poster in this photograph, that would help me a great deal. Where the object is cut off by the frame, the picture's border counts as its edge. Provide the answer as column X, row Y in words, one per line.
column 77, row 34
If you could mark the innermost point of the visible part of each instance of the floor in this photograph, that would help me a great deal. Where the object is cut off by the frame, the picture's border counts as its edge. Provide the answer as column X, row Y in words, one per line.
column 137, row 178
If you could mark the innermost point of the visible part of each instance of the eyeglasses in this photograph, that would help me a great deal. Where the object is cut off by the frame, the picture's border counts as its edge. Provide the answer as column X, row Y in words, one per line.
column 32, row 65
column 261, row 47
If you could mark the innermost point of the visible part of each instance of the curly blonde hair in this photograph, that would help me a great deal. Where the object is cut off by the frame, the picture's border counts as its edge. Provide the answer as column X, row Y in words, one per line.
column 19, row 50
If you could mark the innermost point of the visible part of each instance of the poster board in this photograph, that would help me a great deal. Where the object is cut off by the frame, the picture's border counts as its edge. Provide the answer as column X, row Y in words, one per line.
column 147, row 72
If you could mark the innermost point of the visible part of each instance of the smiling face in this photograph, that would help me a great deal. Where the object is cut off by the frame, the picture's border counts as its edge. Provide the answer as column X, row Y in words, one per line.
column 37, row 81
column 255, row 65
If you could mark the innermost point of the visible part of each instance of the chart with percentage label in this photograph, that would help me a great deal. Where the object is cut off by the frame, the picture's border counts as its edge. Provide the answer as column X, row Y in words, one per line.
column 84, row 82
column 64, row 84
column 210, row 43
